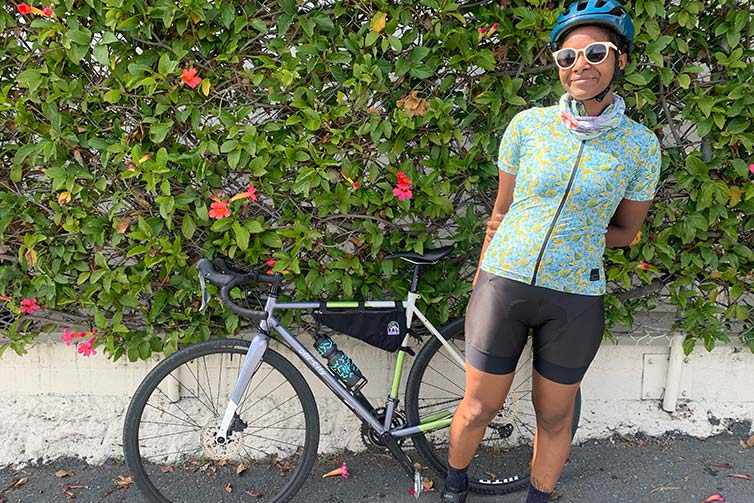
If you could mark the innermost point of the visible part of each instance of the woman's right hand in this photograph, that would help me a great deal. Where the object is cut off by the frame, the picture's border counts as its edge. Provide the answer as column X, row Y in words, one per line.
column 492, row 224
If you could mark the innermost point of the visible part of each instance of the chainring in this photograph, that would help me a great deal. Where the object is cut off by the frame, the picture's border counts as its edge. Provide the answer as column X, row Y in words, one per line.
column 372, row 440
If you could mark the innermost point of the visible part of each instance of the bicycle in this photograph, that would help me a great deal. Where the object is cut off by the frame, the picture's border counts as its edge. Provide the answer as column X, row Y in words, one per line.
column 229, row 419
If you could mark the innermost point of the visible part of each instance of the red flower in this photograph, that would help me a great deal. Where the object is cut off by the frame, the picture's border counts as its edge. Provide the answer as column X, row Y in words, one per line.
column 219, row 208
column 250, row 193
column 643, row 265
column 189, row 77
column 24, row 8
column 270, row 263
column 482, row 30
column 29, row 306
column 495, row 26
column 355, row 185
column 47, row 11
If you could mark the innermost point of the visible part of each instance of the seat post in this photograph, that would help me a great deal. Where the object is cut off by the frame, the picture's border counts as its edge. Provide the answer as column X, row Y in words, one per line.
column 415, row 280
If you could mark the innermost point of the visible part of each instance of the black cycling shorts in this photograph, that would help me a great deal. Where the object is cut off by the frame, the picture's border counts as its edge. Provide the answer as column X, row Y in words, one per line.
column 566, row 328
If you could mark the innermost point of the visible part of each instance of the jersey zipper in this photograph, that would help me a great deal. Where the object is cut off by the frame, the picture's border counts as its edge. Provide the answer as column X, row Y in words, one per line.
column 557, row 213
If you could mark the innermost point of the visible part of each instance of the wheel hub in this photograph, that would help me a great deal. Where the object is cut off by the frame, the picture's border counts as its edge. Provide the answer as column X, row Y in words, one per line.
column 229, row 447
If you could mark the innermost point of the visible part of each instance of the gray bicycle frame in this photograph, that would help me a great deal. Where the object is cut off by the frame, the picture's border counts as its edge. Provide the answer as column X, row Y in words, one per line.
column 260, row 343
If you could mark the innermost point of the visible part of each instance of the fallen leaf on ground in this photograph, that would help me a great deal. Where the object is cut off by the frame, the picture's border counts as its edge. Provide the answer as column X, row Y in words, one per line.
column 740, row 476
column 253, row 494
column 167, row 469
column 282, row 468
column 427, row 485
column 555, row 496
column 16, row 484
column 240, row 469
column 228, row 488
column 120, row 483
column 63, row 473
column 714, row 497
column 124, row 481
column 68, row 487
column 743, row 444
column 719, row 465
column 750, row 441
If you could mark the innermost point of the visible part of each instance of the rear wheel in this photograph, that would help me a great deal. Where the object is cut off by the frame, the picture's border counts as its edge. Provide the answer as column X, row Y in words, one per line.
column 169, row 432
column 436, row 383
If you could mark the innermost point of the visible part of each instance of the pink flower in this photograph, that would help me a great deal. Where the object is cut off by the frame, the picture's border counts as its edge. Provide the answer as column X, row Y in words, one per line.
column 403, row 190
column 751, row 169
column 47, row 11
column 69, row 335
column 29, row 306
column 482, row 30
column 643, row 265
column 270, row 263
column 714, row 497
column 355, row 185
column 219, row 208
column 190, row 78
column 495, row 26
column 87, row 348
column 342, row 471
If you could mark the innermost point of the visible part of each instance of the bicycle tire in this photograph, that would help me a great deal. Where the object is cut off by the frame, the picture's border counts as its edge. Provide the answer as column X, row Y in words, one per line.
column 434, row 383
column 168, row 436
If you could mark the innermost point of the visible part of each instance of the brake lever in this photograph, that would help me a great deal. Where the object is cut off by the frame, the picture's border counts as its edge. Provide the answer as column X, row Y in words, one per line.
column 205, row 294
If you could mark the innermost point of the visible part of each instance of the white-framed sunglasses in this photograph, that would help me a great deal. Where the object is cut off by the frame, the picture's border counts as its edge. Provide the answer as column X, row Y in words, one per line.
column 595, row 53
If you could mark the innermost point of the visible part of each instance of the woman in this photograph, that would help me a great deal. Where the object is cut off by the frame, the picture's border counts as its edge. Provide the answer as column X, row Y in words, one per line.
column 573, row 179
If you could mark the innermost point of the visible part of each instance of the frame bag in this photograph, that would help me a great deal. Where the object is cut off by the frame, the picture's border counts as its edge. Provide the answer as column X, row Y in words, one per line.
column 379, row 327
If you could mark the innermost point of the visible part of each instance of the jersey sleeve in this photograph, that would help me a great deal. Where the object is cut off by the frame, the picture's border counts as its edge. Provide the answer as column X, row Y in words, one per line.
column 643, row 185
column 510, row 147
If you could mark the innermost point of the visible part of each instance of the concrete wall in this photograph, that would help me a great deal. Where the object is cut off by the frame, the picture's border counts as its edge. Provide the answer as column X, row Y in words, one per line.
column 54, row 402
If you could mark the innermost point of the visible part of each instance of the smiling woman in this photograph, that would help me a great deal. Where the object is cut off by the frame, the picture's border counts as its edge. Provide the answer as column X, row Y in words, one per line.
column 589, row 173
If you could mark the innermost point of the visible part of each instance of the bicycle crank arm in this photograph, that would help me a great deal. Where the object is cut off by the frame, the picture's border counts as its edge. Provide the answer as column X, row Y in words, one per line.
column 250, row 365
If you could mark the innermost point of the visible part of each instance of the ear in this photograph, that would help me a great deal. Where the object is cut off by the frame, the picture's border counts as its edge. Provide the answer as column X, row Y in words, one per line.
column 622, row 60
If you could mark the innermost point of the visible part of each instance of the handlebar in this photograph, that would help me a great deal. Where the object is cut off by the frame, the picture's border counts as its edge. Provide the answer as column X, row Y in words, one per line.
column 220, row 274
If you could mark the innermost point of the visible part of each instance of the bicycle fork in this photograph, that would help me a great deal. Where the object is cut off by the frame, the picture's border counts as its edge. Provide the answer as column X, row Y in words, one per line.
column 251, row 364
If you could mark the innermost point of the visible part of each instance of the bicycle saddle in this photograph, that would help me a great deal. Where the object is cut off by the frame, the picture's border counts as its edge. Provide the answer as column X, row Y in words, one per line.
column 430, row 256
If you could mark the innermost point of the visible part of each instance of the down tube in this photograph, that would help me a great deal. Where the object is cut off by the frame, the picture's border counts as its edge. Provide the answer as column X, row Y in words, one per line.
column 325, row 376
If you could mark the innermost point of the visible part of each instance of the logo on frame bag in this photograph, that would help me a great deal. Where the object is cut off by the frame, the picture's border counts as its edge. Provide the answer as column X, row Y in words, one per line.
column 393, row 328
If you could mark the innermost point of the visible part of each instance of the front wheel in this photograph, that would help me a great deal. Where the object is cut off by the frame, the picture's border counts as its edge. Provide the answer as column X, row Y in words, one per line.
column 436, row 385
column 170, row 429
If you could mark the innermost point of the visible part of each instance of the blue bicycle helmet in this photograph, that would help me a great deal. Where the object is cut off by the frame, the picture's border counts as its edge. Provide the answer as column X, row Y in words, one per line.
column 607, row 13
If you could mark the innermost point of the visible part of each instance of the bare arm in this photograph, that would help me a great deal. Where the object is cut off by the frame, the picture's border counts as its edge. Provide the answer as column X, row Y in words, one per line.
column 506, row 184
column 626, row 222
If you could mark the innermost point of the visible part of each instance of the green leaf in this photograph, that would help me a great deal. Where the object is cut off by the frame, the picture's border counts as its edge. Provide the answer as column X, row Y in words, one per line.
column 160, row 130
column 242, row 236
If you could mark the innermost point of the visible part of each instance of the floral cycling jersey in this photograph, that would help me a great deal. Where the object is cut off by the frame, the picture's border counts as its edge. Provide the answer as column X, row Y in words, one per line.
column 566, row 192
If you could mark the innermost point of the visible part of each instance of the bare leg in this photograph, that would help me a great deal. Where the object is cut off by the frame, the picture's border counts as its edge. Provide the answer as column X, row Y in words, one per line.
column 484, row 396
column 553, row 403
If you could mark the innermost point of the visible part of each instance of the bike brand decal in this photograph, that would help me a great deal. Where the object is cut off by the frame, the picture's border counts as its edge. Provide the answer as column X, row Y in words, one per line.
column 393, row 328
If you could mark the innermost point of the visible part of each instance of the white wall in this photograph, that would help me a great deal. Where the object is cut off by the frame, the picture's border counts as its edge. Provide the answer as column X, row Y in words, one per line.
column 54, row 402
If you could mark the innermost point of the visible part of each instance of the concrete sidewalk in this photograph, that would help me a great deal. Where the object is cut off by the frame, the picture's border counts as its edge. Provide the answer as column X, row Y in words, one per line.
column 667, row 469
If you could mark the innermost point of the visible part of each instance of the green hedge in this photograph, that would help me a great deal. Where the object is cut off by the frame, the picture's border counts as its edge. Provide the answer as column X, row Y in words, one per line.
column 109, row 160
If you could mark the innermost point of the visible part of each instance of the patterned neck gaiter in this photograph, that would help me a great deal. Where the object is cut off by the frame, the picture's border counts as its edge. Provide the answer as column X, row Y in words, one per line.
column 585, row 127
